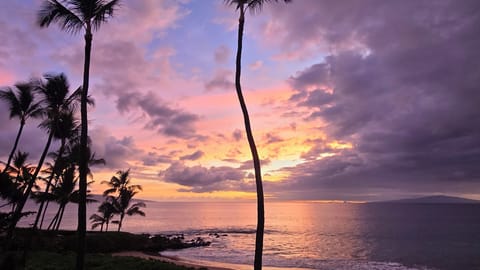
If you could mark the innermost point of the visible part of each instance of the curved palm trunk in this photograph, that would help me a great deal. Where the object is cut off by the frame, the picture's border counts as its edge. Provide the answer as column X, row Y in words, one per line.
column 22, row 124
column 54, row 221
column 253, row 148
column 60, row 217
column 82, row 204
column 14, row 203
column 121, row 221
column 26, row 194
column 41, row 211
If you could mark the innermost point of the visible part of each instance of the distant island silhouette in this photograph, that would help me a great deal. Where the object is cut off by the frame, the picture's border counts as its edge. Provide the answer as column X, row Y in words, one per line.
column 437, row 199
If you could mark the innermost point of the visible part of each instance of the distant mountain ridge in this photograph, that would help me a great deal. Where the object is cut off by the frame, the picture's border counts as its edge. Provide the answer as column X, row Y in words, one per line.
column 437, row 199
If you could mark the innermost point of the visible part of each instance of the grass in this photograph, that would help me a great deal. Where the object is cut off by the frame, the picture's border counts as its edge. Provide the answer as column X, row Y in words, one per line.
column 56, row 251
column 46, row 260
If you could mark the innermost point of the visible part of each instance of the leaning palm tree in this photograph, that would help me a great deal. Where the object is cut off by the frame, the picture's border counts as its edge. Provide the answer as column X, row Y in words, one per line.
column 242, row 6
column 21, row 101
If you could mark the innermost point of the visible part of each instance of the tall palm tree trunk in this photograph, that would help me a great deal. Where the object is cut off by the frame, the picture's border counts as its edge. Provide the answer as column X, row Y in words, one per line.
column 22, row 124
column 82, row 204
column 253, row 148
column 26, row 194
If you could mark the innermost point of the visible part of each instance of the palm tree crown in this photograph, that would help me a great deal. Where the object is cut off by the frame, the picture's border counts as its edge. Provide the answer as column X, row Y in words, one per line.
column 119, row 183
column 75, row 15
column 252, row 5
column 20, row 99
column 21, row 102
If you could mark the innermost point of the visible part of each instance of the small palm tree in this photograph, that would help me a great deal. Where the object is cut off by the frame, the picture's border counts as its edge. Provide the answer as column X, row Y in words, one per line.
column 122, row 206
column 73, row 16
column 63, row 193
column 106, row 210
column 19, row 173
column 242, row 6
column 120, row 184
column 21, row 101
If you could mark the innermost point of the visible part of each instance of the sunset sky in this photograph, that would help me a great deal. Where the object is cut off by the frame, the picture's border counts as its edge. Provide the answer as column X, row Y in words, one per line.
column 349, row 100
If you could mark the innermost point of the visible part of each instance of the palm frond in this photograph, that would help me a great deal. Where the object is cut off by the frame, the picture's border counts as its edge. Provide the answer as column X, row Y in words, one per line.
column 9, row 96
column 54, row 11
column 135, row 211
column 103, row 12
column 109, row 191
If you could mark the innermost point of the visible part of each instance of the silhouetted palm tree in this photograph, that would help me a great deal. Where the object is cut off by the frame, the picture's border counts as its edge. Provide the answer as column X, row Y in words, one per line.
column 122, row 205
column 106, row 210
column 66, row 128
column 64, row 193
column 54, row 93
column 120, row 182
column 242, row 6
column 73, row 16
column 19, row 173
column 21, row 102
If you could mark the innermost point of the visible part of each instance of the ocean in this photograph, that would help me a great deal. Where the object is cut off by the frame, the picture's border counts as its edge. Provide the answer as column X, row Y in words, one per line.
column 314, row 235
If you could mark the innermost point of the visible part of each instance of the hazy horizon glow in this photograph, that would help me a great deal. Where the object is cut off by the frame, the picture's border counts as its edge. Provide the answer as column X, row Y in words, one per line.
column 348, row 101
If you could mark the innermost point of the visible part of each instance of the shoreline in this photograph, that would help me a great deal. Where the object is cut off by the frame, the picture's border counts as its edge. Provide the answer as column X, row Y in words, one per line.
column 210, row 265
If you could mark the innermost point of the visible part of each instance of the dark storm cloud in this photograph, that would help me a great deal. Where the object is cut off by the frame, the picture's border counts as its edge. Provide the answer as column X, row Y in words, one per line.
column 203, row 179
column 401, row 84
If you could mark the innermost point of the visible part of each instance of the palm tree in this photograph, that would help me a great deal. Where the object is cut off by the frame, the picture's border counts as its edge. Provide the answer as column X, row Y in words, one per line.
column 66, row 128
column 72, row 16
column 119, row 183
column 55, row 96
column 21, row 101
column 63, row 193
column 122, row 205
column 107, row 210
column 242, row 6
column 19, row 173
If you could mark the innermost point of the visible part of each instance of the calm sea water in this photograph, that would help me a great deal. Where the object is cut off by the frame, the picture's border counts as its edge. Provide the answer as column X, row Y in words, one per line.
column 320, row 236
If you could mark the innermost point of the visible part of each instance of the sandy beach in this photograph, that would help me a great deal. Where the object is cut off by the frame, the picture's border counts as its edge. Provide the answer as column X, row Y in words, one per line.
column 197, row 264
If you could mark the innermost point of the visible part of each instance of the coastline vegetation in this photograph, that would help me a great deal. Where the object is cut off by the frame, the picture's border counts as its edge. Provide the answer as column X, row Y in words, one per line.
column 56, row 250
